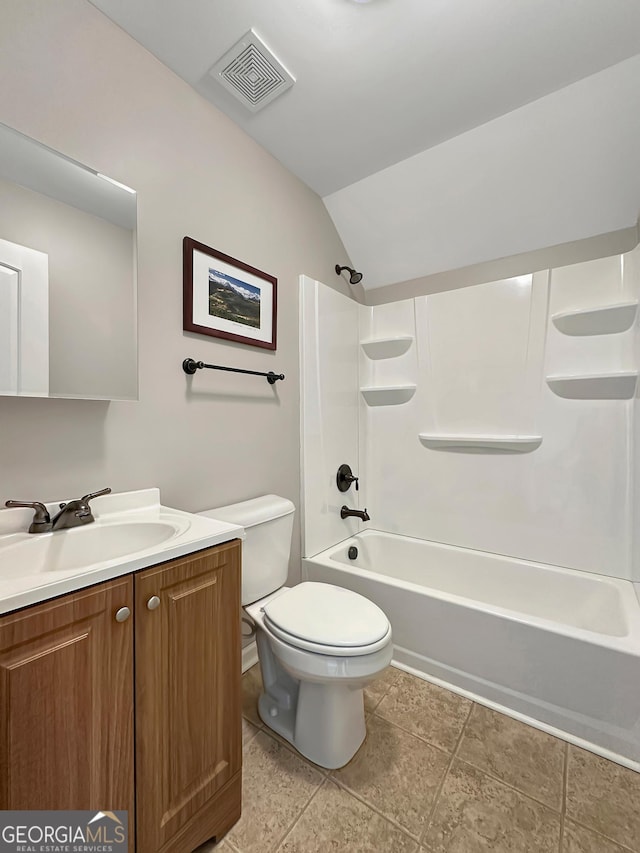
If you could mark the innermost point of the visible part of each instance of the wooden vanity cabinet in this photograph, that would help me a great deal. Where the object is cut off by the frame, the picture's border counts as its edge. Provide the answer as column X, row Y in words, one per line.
column 82, row 694
column 188, row 706
column 66, row 700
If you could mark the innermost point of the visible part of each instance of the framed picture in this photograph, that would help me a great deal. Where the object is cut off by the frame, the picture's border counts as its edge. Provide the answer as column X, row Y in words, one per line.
column 226, row 298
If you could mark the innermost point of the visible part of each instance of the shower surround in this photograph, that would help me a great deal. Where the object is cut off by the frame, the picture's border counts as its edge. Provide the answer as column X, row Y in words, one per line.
column 500, row 420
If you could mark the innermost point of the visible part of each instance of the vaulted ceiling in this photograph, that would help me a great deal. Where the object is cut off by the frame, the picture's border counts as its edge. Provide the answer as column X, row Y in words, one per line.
column 381, row 84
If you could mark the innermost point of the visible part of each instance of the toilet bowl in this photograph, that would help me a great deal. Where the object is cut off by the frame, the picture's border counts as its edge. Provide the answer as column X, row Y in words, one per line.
column 313, row 691
column 319, row 645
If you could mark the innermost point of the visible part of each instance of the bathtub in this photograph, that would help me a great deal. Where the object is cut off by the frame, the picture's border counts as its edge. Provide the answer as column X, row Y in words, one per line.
column 555, row 647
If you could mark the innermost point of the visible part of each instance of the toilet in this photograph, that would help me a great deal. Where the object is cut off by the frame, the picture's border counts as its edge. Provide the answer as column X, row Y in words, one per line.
column 319, row 645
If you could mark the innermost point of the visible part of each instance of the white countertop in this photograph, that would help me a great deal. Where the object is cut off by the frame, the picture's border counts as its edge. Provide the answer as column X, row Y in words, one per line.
column 29, row 572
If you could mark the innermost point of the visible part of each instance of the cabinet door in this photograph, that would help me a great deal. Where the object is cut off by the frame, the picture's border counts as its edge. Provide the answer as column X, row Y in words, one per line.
column 188, row 712
column 66, row 694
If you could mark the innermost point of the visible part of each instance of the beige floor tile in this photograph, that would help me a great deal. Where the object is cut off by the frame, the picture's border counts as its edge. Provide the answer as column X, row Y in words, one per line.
column 249, row 731
column 476, row 813
column 251, row 689
column 528, row 759
column 435, row 714
column 396, row 773
column 290, row 746
column 336, row 821
column 210, row 847
column 276, row 786
column 379, row 688
column 604, row 797
column 576, row 839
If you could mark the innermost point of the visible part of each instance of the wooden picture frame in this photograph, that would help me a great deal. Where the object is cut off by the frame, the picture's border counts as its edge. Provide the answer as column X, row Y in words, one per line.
column 226, row 298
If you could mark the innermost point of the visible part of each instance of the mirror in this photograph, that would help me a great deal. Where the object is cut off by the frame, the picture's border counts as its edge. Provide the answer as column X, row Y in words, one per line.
column 68, row 324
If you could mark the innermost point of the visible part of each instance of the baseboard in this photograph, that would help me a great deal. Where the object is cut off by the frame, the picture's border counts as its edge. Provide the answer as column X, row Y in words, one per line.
column 249, row 656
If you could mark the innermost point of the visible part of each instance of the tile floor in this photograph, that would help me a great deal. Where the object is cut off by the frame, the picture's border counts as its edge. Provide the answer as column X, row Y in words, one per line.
column 437, row 773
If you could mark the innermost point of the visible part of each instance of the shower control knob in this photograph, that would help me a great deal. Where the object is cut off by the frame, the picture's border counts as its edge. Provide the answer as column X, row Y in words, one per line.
column 345, row 477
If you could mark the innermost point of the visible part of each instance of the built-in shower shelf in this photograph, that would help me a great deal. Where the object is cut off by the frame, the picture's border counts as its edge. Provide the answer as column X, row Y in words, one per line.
column 387, row 347
column 620, row 385
column 606, row 320
column 501, row 443
column 388, row 395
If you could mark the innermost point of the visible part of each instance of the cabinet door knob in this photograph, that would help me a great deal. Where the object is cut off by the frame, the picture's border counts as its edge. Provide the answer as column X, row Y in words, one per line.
column 122, row 614
column 153, row 602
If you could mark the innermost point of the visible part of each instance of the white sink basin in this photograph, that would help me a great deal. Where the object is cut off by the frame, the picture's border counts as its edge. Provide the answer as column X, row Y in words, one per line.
column 131, row 531
column 77, row 549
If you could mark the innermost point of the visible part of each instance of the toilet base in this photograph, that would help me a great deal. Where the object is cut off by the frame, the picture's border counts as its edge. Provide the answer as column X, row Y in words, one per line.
column 326, row 724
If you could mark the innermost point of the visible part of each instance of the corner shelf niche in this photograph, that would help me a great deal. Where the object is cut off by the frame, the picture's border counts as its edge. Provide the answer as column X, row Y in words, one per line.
column 607, row 320
column 390, row 347
column 620, row 385
column 500, row 443
column 388, row 395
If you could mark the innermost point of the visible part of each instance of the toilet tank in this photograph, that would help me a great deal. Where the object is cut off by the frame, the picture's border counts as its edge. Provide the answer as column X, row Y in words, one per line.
column 268, row 522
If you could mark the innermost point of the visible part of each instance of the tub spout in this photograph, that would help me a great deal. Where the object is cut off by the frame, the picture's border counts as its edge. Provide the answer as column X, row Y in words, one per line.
column 362, row 514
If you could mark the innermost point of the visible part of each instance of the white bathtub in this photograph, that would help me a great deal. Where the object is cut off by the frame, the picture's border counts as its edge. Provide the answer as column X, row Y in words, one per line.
column 556, row 647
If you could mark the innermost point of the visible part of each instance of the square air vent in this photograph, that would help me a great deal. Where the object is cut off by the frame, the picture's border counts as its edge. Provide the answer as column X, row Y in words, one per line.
column 252, row 73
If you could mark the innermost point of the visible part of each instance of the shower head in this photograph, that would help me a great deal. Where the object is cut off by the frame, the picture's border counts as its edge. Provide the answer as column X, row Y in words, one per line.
column 354, row 277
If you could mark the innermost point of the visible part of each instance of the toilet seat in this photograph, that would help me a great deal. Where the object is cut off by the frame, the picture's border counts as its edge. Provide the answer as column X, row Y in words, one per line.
column 328, row 620
column 324, row 649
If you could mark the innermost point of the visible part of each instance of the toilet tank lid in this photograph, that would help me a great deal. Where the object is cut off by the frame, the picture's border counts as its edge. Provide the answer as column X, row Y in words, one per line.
column 254, row 511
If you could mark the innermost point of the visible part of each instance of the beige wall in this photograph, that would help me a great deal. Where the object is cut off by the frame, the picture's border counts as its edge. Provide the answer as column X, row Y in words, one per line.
column 75, row 81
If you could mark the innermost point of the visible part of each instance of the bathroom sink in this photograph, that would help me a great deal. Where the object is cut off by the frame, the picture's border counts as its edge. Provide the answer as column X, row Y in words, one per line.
column 75, row 550
column 131, row 531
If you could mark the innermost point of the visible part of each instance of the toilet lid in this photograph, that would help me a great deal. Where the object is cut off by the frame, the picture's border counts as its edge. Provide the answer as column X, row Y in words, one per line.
column 327, row 615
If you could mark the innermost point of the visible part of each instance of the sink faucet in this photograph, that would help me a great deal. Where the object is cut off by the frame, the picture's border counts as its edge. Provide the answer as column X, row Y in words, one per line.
column 72, row 514
column 362, row 514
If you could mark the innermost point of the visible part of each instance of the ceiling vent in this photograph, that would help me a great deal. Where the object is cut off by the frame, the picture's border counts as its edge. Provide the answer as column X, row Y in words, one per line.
column 252, row 73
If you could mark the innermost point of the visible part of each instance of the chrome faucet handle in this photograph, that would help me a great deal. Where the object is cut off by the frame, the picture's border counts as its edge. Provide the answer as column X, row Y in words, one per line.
column 92, row 495
column 41, row 520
